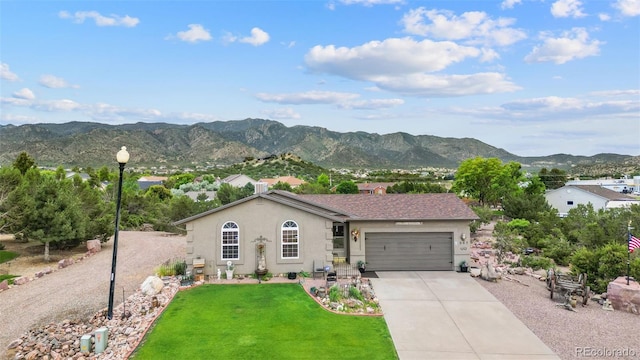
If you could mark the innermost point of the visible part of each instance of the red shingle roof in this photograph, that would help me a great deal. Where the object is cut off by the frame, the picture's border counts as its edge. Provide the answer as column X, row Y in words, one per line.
column 397, row 206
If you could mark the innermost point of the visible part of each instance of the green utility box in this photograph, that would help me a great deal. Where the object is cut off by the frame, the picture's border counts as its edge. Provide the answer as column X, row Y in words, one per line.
column 101, row 339
column 85, row 344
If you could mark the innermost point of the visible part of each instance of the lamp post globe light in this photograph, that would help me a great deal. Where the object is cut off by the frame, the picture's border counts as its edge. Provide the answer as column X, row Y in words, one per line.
column 122, row 157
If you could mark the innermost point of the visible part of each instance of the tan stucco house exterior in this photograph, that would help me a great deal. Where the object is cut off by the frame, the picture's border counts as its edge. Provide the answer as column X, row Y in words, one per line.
column 389, row 232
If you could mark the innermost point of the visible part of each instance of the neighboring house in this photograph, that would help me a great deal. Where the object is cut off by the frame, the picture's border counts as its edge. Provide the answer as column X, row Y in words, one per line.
column 239, row 180
column 291, row 180
column 146, row 182
column 625, row 185
column 569, row 196
column 391, row 232
column 374, row 188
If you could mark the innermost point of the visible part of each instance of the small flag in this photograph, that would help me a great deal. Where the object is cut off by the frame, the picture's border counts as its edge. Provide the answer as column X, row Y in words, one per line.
column 634, row 243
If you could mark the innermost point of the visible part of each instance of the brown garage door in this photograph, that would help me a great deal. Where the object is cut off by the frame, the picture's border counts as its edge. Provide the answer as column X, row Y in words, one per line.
column 409, row 251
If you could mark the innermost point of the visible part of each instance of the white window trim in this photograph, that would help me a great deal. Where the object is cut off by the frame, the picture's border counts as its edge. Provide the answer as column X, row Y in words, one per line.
column 235, row 228
column 282, row 243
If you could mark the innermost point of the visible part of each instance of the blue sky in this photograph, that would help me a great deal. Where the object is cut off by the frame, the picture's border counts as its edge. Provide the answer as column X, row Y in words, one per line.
column 534, row 77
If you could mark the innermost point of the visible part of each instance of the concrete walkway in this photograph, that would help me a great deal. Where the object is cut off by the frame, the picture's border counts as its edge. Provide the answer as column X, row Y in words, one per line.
column 448, row 315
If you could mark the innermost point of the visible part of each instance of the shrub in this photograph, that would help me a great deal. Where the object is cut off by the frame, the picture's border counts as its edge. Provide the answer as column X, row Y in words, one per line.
column 559, row 249
column 537, row 262
column 172, row 268
column 334, row 293
column 355, row 293
column 602, row 265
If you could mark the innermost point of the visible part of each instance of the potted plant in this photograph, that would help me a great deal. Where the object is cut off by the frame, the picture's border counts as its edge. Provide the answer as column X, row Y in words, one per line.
column 362, row 266
column 229, row 269
column 463, row 266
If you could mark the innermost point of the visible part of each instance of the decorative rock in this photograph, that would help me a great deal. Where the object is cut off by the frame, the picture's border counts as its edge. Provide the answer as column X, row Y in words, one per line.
column 475, row 272
column 32, row 355
column 4, row 284
column 624, row 297
column 14, row 344
column 152, row 285
column 93, row 246
column 62, row 340
column 64, row 263
column 21, row 280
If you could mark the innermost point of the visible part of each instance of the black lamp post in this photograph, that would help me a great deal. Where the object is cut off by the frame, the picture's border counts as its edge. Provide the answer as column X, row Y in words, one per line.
column 122, row 157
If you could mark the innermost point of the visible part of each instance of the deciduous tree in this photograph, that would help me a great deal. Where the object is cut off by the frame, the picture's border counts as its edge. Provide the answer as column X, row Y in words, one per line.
column 487, row 180
column 347, row 187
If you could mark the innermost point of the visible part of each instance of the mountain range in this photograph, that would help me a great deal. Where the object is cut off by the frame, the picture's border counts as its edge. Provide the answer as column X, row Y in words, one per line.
column 228, row 142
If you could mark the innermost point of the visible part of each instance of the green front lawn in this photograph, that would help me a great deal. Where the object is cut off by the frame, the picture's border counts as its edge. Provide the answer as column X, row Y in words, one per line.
column 269, row 321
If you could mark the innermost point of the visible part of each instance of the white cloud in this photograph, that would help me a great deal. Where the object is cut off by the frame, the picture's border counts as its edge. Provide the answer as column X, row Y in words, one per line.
column 55, row 82
column 400, row 65
column 508, row 4
column 373, row 104
column 628, row 7
column 571, row 45
column 281, row 113
column 57, row 105
column 552, row 107
column 100, row 20
column 447, row 85
column 195, row 33
column 6, row 74
column 475, row 27
column 258, row 37
column 395, row 56
column 567, row 8
column 309, row 97
column 18, row 119
column 24, row 94
column 609, row 93
column 15, row 101
column 102, row 111
column 604, row 17
column 369, row 3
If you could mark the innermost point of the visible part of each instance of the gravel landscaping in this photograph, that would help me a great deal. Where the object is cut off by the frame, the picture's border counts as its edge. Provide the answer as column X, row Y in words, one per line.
column 82, row 289
column 590, row 332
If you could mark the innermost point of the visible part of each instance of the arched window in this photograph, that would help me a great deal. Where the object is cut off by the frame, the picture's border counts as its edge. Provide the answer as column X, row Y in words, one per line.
column 230, row 241
column 290, row 240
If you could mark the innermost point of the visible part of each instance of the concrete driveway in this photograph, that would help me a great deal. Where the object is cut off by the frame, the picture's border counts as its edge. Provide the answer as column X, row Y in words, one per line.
column 448, row 315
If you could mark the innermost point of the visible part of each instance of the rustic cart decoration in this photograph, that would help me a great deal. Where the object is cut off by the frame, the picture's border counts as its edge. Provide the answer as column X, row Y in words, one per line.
column 569, row 286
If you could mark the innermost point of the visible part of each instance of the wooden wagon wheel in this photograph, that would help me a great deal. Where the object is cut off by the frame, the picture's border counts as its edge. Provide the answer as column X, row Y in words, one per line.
column 550, row 275
column 552, row 287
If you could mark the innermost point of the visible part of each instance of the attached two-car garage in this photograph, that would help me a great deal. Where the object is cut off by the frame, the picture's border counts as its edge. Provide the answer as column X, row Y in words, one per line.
column 409, row 251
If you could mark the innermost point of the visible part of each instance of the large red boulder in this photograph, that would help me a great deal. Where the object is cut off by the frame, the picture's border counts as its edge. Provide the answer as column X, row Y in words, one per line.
column 624, row 297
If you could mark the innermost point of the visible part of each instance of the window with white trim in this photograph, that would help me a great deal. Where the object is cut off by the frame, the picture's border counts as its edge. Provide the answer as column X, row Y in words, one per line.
column 290, row 240
column 230, row 241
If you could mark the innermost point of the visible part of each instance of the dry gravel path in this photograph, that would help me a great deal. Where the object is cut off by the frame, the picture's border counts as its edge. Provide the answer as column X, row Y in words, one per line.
column 82, row 289
column 590, row 329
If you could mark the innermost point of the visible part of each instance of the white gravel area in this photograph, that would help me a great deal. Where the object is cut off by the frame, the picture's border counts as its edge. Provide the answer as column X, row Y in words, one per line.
column 82, row 289
column 588, row 333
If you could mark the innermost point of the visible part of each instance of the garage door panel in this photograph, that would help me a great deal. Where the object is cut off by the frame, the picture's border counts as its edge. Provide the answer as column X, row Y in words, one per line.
column 409, row 251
